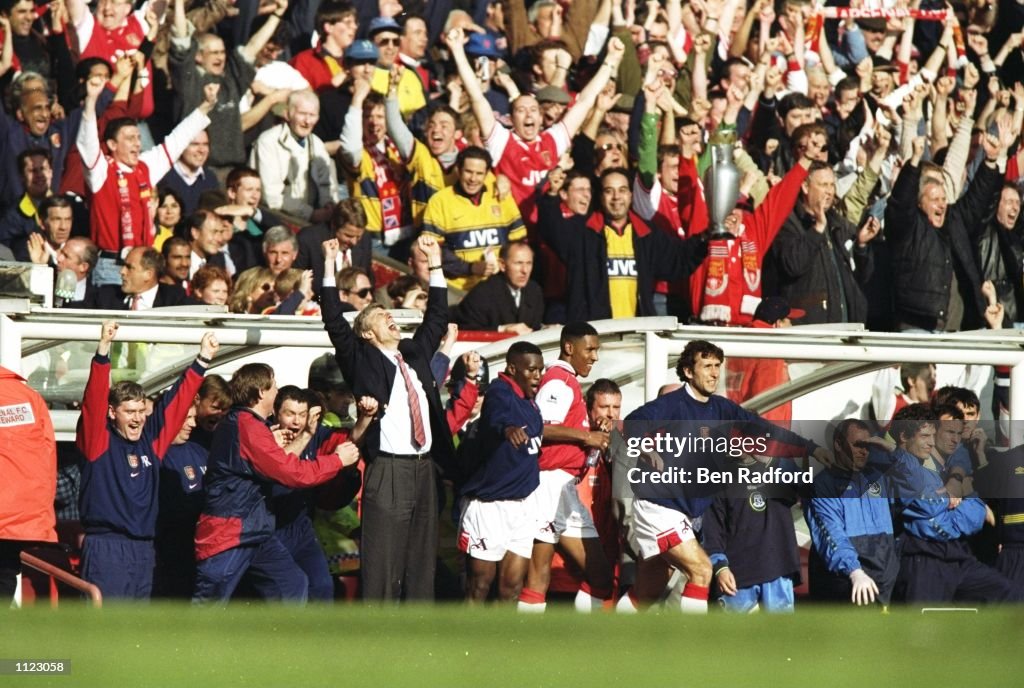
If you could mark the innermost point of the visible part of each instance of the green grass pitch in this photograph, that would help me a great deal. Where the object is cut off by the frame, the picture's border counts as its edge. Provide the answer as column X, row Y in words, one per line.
column 454, row 646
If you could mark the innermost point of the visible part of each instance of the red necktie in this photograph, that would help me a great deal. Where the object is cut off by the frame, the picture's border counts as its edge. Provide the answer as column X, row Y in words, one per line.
column 419, row 435
column 136, row 302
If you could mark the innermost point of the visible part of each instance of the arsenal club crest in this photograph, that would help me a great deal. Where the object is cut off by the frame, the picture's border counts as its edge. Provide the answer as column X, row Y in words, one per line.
column 133, row 461
column 190, row 473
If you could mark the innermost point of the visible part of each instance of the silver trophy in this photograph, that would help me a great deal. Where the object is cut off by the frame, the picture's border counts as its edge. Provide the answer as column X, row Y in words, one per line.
column 721, row 183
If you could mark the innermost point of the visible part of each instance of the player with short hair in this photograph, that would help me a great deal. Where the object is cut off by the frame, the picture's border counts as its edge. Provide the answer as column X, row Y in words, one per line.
column 497, row 526
column 663, row 525
column 122, row 450
column 235, row 533
column 569, row 443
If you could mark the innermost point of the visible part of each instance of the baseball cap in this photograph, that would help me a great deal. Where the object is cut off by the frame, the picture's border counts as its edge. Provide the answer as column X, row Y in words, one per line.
column 379, row 24
column 552, row 94
column 324, row 373
column 362, row 51
column 773, row 309
column 482, row 45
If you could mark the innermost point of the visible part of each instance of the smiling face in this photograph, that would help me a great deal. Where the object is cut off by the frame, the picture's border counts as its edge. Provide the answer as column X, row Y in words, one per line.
column 378, row 326
column 1009, row 207
column 932, row 203
column 37, row 176
column 360, row 295
column 581, row 354
column 129, row 418
column 248, row 192
column 703, row 377
column 921, row 443
column 215, row 293
column 22, row 14
column 126, row 145
column 303, row 114
column 35, row 112
column 472, row 173
column 111, row 14
column 349, row 236
column 197, row 152
column 526, row 117
column 577, row 195
column 208, row 239
column 187, row 428
column 374, row 125
column 212, row 56
column 616, row 196
column 441, row 132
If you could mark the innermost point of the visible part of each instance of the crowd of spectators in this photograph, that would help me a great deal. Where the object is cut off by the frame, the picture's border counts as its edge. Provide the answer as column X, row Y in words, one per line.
column 259, row 154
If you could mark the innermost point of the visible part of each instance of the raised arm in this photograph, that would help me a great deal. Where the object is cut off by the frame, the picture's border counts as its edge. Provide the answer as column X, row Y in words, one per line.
column 88, row 140
column 92, row 438
column 160, row 159
column 266, row 32
column 575, row 116
column 456, row 41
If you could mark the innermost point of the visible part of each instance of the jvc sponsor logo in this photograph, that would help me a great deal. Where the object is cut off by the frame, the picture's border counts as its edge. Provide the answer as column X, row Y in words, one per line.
column 622, row 267
column 482, row 237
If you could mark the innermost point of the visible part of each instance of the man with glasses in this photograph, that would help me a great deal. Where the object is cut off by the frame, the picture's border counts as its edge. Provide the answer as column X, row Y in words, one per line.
column 385, row 33
column 354, row 290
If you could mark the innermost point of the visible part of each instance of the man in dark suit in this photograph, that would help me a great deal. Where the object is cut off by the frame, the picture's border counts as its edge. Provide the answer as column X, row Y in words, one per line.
column 140, row 287
column 508, row 301
column 407, row 439
column 348, row 226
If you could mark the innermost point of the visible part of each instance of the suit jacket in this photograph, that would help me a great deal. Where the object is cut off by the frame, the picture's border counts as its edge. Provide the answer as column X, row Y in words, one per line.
column 369, row 372
column 111, row 298
column 311, row 253
column 490, row 304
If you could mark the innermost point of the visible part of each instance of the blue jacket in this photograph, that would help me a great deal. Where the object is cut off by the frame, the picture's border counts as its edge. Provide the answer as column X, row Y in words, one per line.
column 929, row 516
column 507, row 472
column 245, row 462
column 121, row 479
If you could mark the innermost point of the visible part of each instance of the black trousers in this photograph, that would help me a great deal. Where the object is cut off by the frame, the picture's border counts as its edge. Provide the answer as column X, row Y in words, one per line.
column 878, row 559
column 399, row 543
column 947, row 572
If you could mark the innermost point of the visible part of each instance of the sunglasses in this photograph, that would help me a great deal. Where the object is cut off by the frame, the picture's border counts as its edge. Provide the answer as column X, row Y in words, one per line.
column 387, row 41
column 362, row 293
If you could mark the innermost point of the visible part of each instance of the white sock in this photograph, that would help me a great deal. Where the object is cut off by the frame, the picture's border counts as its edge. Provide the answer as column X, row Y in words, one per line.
column 531, row 607
column 626, row 605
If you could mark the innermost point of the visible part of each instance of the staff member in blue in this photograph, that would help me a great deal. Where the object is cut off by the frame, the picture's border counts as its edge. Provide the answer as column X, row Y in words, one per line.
column 497, row 526
column 122, row 451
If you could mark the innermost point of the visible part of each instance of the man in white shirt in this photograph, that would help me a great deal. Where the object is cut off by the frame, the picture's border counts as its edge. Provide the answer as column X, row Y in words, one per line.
column 298, row 175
